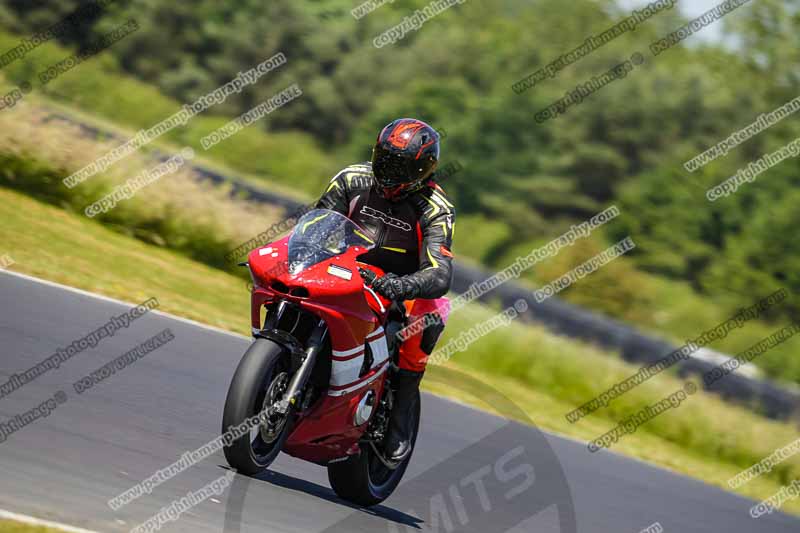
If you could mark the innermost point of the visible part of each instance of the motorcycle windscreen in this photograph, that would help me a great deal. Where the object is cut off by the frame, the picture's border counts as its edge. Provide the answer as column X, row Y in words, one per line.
column 321, row 234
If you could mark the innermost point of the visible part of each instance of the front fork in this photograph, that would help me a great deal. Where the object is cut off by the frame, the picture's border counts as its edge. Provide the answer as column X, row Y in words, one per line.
column 308, row 359
column 307, row 356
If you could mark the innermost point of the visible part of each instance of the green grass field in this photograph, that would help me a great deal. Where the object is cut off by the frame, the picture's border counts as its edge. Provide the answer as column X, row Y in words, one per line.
column 545, row 374
column 7, row 526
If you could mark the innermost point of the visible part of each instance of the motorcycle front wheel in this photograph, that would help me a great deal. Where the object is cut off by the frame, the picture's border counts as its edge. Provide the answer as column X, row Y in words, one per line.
column 364, row 479
column 260, row 380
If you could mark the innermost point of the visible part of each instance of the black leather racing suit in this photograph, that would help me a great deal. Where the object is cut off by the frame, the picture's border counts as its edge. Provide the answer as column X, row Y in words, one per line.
column 413, row 236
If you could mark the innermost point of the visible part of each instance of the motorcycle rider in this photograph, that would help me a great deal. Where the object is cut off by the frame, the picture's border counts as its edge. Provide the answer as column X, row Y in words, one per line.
column 394, row 197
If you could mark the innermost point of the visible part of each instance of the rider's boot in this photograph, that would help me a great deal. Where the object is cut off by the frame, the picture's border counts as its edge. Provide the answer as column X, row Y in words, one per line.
column 405, row 385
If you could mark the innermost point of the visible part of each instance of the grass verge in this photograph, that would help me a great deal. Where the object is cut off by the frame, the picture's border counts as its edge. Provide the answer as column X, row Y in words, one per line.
column 9, row 526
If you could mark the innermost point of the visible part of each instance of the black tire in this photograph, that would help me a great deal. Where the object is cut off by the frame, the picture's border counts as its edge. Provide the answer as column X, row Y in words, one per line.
column 363, row 479
column 263, row 361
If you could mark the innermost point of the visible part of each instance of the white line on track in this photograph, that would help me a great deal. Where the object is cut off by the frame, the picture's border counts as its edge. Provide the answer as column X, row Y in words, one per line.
column 121, row 302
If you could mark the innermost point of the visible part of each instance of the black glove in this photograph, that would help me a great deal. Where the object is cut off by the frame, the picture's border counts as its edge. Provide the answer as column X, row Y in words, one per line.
column 394, row 287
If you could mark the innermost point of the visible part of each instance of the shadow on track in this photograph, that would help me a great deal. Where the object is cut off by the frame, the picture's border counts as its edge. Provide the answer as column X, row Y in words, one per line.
column 240, row 485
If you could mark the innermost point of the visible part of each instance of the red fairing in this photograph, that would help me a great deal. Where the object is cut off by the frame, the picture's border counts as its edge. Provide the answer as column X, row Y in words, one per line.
column 328, row 432
column 343, row 304
column 354, row 316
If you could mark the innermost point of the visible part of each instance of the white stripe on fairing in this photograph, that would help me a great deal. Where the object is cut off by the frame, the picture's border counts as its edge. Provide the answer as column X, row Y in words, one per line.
column 380, row 350
column 343, row 353
column 358, row 385
column 351, row 351
column 344, row 372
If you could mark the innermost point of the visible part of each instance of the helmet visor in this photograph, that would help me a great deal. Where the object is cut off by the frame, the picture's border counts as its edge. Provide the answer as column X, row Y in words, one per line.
column 391, row 169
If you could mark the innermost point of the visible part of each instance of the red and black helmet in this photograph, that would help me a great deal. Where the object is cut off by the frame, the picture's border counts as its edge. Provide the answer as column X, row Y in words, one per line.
column 405, row 155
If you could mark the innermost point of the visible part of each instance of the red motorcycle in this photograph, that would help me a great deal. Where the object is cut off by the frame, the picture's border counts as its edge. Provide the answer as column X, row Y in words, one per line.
column 319, row 370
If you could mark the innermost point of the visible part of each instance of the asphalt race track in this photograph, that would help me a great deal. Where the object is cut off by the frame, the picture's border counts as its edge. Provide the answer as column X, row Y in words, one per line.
column 471, row 471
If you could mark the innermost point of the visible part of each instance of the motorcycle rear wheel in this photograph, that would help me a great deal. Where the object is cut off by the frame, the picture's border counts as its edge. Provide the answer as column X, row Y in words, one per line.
column 363, row 479
column 261, row 372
